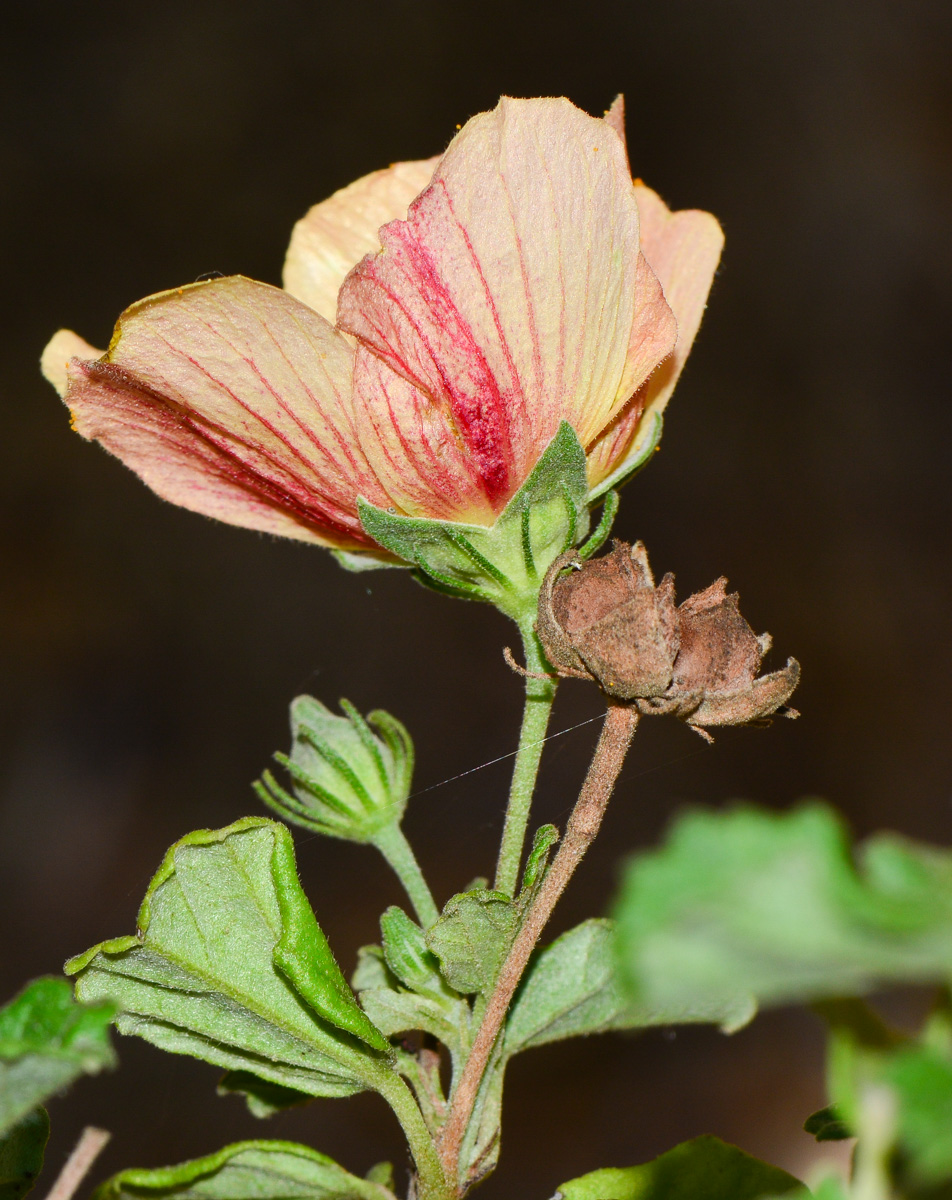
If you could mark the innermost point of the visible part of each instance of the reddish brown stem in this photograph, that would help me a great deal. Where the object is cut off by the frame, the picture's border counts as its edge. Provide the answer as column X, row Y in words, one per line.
column 621, row 721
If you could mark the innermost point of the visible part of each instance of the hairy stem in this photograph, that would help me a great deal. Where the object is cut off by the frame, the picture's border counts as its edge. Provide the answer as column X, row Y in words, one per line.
column 540, row 694
column 393, row 845
column 431, row 1182
column 621, row 721
column 85, row 1153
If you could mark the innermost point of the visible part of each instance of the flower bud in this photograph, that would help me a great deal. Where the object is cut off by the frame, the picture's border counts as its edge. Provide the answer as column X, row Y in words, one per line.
column 606, row 621
column 348, row 780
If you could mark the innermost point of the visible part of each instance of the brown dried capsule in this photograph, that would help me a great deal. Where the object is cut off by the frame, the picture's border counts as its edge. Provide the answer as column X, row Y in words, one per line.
column 606, row 621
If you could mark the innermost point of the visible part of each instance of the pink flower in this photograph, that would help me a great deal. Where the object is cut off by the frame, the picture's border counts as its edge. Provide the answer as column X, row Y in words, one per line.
column 480, row 299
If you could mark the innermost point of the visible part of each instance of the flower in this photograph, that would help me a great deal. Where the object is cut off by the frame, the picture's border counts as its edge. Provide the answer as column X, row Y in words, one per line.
column 607, row 621
column 481, row 298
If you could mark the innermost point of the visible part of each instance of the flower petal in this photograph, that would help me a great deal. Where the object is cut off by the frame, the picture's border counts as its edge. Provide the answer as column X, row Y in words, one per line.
column 333, row 236
column 509, row 295
column 413, row 448
column 62, row 346
column 232, row 399
column 683, row 249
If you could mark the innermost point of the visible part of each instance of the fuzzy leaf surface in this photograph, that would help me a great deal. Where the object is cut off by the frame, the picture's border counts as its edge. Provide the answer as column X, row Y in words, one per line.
column 47, row 1040
column 703, row 1169
column 259, row 1170
column 472, row 938
column 770, row 908
column 230, row 966
column 21, row 1154
column 572, row 988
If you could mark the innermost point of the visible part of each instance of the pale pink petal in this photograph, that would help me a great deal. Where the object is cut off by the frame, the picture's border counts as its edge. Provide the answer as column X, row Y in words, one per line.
column 334, row 235
column 509, row 295
column 683, row 248
column 231, row 398
column 62, row 346
column 615, row 119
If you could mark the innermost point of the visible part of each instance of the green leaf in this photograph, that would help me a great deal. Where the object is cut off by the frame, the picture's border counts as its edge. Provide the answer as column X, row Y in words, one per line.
column 545, row 838
column 702, row 1169
column 230, row 966
column 571, row 989
column 827, row 1125
column 21, row 1154
column 922, row 1080
column 384, row 975
column 263, row 1098
column 503, row 564
column 770, row 908
column 409, row 958
column 47, row 1040
column 472, row 938
column 259, row 1170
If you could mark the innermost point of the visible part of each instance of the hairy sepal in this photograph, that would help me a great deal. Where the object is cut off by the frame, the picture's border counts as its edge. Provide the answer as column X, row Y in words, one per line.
column 503, row 564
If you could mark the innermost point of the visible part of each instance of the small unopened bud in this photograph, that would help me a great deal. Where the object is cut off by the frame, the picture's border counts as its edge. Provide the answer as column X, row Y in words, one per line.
column 350, row 775
column 607, row 621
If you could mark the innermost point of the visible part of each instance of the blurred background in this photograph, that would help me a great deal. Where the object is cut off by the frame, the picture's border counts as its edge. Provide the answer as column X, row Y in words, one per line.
column 148, row 655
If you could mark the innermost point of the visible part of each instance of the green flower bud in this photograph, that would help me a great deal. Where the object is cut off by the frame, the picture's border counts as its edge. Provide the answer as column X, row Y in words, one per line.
column 350, row 775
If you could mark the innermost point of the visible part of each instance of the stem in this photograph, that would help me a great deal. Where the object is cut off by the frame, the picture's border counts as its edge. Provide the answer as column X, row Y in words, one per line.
column 393, row 845
column 540, row 694
column 431, row 1181
column 85, row 1153
column 621, row 721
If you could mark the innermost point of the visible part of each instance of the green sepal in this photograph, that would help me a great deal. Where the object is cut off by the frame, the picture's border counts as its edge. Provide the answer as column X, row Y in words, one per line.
column 263, row 1097
column 358, row 561
column 21, row 1154
column 704, row 1168
column 631, row 466
column 230, row 966
column 472, row 938
column 47, row 1040
column 265, row 1170
column 599, row 535
column 350, row 775
column 502, row 564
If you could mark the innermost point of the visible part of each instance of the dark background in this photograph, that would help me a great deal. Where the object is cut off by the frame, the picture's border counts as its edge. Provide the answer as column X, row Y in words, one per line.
column 148, row 655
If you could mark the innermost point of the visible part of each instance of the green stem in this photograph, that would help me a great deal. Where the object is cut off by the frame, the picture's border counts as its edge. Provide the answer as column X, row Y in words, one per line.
column 393, row 845
column 540, row 694
column 431, row 1180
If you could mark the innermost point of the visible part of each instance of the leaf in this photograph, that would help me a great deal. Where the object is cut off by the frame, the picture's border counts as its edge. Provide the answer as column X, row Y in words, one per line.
column 259, row 1170
column 47, row 1040
column 401, row 987
column 545, row 838
column 703, row 1169
column 263, row 1098
column 409, row 958
column 770, row 908
column 472, row 938
column 922, row 1080
column 21, row 1154
column 230, row 966
column 571, row 989
column 827, row 1125
column 504, row 563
